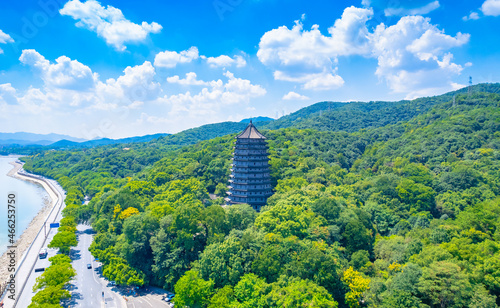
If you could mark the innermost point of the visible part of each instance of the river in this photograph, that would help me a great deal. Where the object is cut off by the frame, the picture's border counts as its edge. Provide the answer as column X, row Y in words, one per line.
column 30, row 200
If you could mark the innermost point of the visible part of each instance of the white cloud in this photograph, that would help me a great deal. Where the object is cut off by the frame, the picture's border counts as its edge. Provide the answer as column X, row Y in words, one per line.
column 294, row 96
column 400, row 11
column 137, row 84
column 212, row 98
column 74, row 100
column 472, row 16
column 170, row 59
column 190, row 80
column 226, row 61
column 302, row 55
column 64, row 74
column 324, row 82
column 412, row 56
column 491, row 8
column 8, row 94
column 108, row 22
column 407, row 52
column 69, row 83
column 4, row 39
column 366, row 3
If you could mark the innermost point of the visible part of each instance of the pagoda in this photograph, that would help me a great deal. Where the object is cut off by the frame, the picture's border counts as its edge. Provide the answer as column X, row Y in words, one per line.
column 250, row 179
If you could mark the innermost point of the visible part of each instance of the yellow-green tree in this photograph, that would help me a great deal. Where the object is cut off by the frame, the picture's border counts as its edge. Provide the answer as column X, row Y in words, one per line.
column 357, row 285
column 128, row 212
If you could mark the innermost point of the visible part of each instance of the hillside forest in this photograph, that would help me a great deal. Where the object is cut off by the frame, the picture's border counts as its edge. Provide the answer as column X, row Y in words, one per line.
column 372, row 207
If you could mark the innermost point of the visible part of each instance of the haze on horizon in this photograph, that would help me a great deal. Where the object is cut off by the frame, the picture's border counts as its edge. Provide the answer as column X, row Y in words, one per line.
column 124, row 68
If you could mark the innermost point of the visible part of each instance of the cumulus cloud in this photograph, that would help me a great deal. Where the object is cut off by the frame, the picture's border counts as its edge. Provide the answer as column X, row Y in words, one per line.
column 8, row 95
column 190, row 80
column 407, row 52
column 491, row 8
column 400, row 11
column 170, row 59
column 471, row 16
column 226, row 61
column 303, row 55
column 64, row 74
column 108, row 22
column 324, row 82
column 4, row 39
column 69, row 83
column 213, row 97
column 75, row 100
column 412, row 56
column 137, row 84
column 294, row 96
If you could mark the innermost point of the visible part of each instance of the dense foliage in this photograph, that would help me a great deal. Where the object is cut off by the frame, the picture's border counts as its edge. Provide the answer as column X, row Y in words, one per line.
column 51, row 286
column 401, row 215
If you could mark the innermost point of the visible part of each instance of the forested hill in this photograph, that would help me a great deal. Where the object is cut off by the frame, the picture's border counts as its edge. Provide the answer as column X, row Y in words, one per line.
column 353, row 116
column 401, row 215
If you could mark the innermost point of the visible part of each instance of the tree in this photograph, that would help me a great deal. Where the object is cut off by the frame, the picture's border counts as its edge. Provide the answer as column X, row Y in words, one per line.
column 359, row 259
column 240, row 216
column 55, row 275
column 59, row 259
column 328, row 208
column 224, row 298
column 357, row 237
column 482, row 298
column 192, row 291
column 443, row 283
column 400, row 299
column 50, row 297
column 250, row 290
column 63, row 240
column 128, row 212
column 357, row 285
column 407, row 280
column 222, row 263
column 288, row 219
column 419, row 196
column 300, row 293
column 215, row 223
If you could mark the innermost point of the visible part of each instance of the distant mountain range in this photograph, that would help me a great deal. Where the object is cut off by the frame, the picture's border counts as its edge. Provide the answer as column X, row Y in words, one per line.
column 325, row 116
column 103, row 141
column 56, row 141
column 22, row 138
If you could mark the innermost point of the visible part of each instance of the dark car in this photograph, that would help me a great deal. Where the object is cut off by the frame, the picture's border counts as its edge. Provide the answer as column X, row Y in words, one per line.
column 89, row 265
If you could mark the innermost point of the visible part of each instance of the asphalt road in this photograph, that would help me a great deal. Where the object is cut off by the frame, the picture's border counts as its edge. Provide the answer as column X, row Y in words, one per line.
column 150, row 299
column 88, row 286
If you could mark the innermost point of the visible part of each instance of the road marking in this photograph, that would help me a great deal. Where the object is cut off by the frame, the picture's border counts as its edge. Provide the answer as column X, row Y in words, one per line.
column 147, row 301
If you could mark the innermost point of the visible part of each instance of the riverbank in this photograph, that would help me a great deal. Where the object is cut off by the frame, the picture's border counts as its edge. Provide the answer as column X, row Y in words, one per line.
column 30, row 233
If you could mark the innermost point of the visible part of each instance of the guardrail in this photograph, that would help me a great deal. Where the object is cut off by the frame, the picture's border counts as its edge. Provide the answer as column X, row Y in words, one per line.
column 26, row 253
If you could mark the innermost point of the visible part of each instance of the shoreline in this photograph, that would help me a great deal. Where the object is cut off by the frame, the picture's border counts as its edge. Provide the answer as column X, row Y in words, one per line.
column 29, row 234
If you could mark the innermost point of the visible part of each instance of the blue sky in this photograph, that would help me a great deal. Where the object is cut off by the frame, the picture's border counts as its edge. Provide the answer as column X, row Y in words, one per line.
column 124, row 68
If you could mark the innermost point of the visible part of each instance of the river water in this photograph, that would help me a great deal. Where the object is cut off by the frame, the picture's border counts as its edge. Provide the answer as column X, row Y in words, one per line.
column 30, row 200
